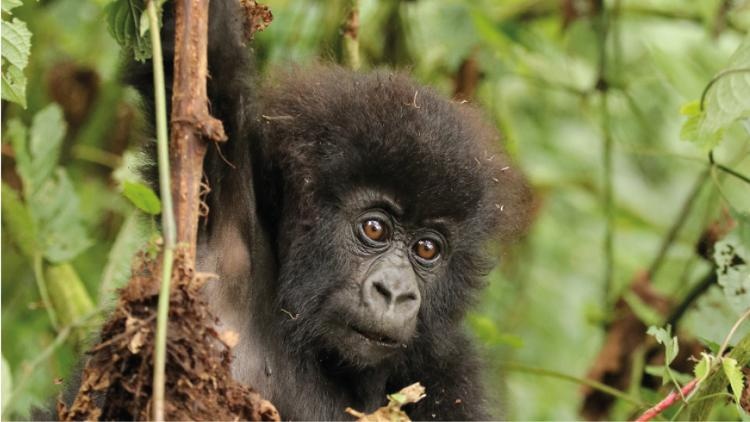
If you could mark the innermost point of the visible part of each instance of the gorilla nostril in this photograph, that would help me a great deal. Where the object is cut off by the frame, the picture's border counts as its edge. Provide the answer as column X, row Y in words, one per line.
column 406, row 297
column 383, row 291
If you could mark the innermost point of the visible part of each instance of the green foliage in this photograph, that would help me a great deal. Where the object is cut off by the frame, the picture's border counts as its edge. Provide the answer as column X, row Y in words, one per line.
column 733, row 270
column 16, row 46
column 671, row 347
column 142, row 196
column 726, row 99
column 734, row 375
column 128, row 27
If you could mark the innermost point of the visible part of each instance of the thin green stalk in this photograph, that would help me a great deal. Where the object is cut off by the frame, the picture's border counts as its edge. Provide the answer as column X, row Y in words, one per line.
column 38, row 264
column 584, row 381
column 167, row 215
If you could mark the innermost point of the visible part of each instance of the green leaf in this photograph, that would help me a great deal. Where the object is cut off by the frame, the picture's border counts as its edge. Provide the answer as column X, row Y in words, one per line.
column 703, row 367
column 398, row 398
column 117, row 271
column 734, row 375
column 142, row 197
column 9, row 5
column 16, row 46
column 17, row 135
column 712, row 345
column 124, row 21
column 18, row 222
column 726, row 100
column 55, row 208
column 732, row 257
column 664, row 336
column 47, row 132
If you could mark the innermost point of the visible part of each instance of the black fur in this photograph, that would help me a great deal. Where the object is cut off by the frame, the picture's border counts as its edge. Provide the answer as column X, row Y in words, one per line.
column 309, row 148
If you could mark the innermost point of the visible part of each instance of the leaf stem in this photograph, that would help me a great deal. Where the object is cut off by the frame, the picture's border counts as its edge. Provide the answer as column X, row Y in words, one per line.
column 167, row 215
column 584, row 381
column 41, row 283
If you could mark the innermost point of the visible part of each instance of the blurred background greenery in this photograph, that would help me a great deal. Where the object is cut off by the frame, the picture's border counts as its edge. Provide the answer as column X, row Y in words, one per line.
column 587, row 95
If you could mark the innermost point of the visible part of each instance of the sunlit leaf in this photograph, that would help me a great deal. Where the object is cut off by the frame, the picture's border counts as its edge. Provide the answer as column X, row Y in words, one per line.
column 142, row 197
column 727, row 99
column 6, row 381
column 703, row 367
column 16, row 46
column 734, row 375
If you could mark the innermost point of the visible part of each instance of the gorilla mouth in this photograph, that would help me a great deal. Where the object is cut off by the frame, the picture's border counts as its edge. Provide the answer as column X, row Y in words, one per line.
column 377, row 338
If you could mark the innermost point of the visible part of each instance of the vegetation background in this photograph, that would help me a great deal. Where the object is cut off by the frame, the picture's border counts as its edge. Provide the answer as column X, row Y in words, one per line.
column 597, row 101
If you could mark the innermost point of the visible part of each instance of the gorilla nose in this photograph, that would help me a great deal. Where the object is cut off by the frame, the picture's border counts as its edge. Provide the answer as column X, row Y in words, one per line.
column 392, row 298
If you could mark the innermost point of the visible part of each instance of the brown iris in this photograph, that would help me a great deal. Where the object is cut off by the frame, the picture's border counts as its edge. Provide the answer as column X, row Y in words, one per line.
column 426, row 249
column 374, row 230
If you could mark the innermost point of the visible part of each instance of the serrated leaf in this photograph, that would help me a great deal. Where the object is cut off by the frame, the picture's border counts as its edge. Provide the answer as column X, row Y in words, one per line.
column 14, row 85
column 733, row 272
column 16, row 42
column 727, row 99
column 47, row 132
column 16, row 46
column 54, row 206
column 142, row 197
column 17, row 134
column 692, row 108
column 9, row 5
column 18, row 222
column 734, row 375
column 703, row 367
column 664, row 336
column 124, row 21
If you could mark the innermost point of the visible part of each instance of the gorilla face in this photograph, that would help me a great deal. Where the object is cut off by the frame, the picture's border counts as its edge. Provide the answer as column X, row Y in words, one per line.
column 368, row 301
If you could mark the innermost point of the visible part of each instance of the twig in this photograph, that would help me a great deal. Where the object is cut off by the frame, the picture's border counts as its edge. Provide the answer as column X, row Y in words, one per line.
column 41, row 283
column 601, row 24
column 679, row 222
column 584, row 381
column 694, row 293
column 726, row 169
column 167, row 215
column 350, row 34
column 668, row 401
column 734, row 328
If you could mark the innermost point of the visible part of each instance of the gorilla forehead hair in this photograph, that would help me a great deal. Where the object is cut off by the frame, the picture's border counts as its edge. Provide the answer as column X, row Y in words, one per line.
column 329, row 133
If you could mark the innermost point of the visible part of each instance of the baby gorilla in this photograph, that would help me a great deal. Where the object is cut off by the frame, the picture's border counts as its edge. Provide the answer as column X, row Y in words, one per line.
column 349, row 220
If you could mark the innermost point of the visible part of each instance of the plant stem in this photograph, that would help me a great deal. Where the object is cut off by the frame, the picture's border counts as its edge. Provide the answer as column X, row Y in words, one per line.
column 584, row 381
column 167, row 216
column 38, row 264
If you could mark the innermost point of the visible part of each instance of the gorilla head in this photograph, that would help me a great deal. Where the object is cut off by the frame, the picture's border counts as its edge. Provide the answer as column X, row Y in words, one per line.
column 384, row 195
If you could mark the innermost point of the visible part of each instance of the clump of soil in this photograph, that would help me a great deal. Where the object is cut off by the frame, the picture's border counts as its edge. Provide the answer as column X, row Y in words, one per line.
column 116, row 383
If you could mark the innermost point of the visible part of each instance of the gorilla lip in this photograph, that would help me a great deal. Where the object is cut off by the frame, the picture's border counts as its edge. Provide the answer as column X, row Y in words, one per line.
column 379, row 339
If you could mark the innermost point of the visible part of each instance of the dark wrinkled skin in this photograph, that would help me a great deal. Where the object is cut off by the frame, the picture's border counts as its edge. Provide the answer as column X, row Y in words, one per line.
column 326, row 318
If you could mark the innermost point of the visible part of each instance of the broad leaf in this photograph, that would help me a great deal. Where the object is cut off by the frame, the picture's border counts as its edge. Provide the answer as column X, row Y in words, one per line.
column 16, row 46
column 142, row 197
column 727, row 99
column 55, row 208
column 124, row 21
column 733, row 271
column 734, row 375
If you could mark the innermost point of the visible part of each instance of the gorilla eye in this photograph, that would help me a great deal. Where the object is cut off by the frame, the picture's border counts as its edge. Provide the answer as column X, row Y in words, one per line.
column 374, row 230
column 427, row 250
